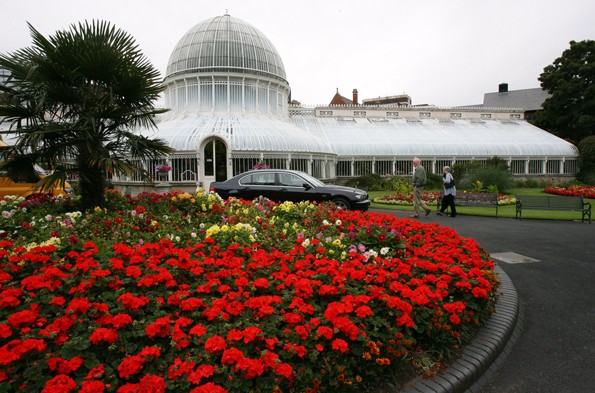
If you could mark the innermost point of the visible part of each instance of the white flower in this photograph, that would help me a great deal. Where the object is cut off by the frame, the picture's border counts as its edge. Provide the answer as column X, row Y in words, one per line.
column 384, row 250
column 6, row 214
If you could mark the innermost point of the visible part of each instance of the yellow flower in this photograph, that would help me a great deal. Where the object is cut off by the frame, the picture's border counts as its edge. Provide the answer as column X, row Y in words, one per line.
column 212, row 230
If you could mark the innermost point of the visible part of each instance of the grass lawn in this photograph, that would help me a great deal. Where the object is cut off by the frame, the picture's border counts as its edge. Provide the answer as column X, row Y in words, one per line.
column 503, row 211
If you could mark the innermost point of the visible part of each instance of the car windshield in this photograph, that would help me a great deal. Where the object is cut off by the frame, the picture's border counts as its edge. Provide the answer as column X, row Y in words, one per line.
column 312, row 180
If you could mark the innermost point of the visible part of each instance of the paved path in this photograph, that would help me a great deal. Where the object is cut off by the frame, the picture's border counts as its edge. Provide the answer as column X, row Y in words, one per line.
column 555, row 351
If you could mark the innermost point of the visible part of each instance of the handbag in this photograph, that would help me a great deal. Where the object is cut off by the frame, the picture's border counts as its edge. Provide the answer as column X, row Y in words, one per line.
column 450, row 184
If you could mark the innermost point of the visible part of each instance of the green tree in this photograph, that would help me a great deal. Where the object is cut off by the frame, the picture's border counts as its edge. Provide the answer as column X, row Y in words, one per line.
column 570, row 111
column 587, row 160
column 74, row 102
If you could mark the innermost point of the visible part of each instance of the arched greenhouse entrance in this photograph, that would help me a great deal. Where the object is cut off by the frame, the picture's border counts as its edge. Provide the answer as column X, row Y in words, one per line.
column 214, row 161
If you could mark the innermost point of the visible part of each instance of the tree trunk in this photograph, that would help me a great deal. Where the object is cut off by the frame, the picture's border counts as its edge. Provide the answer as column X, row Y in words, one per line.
column 92, row 188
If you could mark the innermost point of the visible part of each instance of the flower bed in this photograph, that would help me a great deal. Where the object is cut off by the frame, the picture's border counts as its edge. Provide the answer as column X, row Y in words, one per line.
column 584, row 191
column 431, row 197
column 180, row 292
column 406, row 199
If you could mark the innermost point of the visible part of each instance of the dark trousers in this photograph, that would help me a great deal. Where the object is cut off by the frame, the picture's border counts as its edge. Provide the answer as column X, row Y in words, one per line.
column 449, row 201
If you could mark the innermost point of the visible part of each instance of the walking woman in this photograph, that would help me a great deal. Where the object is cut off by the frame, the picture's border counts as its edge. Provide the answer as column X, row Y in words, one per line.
column 450, row 192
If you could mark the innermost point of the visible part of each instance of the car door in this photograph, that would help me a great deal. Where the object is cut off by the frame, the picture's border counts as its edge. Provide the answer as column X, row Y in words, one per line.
column 259, row 184
column 296, row 189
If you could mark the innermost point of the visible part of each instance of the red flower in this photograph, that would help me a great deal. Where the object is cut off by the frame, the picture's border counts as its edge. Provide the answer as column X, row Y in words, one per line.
column 202, row 371
column 285, row 370
column 130, row 366
column 59, row 384
column 25, row 317
column 209, row 388
column 231, row 356
column 151, row 384
column 215, row 344
column 198, row 330
column 160, row 328
column 340, row 345
column 92, row 387
column 64, row 366
column 252, row 368
column 5, row 330
column 103, row 334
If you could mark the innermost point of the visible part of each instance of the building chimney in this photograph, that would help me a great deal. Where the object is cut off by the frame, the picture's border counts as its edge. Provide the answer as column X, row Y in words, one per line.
column 503, row 88
column 355, row 97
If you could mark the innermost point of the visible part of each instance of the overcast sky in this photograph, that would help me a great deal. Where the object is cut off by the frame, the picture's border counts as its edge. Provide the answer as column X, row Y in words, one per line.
column 441, row 52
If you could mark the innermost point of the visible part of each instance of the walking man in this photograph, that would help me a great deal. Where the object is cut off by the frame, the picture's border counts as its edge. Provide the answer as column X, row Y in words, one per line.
column 419, row 181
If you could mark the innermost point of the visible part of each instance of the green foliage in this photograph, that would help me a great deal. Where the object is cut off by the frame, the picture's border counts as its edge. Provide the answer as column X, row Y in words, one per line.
column 570, row 111
column 375, row 182
column 493, row 174
column 433, row 181
column 587, row 160
column 74, row 97
column 493, row 178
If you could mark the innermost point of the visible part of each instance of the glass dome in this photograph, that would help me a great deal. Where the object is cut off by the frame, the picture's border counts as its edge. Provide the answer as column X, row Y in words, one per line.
column 225, row 44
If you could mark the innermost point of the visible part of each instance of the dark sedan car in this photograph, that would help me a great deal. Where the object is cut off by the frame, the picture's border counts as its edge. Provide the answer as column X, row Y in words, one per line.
column 286, row 185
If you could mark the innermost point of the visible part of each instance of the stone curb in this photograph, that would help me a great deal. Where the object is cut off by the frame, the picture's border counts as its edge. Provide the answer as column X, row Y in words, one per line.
column 484, row 353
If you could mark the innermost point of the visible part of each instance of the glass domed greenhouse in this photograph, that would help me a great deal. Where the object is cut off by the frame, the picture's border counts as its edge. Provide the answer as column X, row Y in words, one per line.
column 228, row 96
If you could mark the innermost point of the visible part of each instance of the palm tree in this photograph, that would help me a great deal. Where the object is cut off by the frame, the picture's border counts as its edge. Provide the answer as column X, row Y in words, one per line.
column 74, row 101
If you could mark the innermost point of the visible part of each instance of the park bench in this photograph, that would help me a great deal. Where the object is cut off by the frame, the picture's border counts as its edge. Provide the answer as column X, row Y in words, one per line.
column 548, row 202
column 481, row 199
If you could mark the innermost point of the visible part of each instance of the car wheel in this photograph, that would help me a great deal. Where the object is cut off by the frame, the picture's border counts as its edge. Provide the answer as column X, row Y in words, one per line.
column 342, row 203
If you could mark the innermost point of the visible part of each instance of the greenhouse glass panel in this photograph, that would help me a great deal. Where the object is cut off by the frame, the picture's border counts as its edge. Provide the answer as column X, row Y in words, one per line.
column 440, row 164
column 404, row 168
column 220, row 96
column 553, row 166
column 344, row 168
column 244, row 163
column 362, row 168
column 517, row 167
column 570, row 167
column 273, row 101
column 250, row 97
column 318, row 169
column 427, row 164
column 193, row 95
column 184, row 168
column 235, row 91
column 206, row 96
column 300, row 164
column 384, row 167
column 263, row 99
column 181, row 99
column 535, row 167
